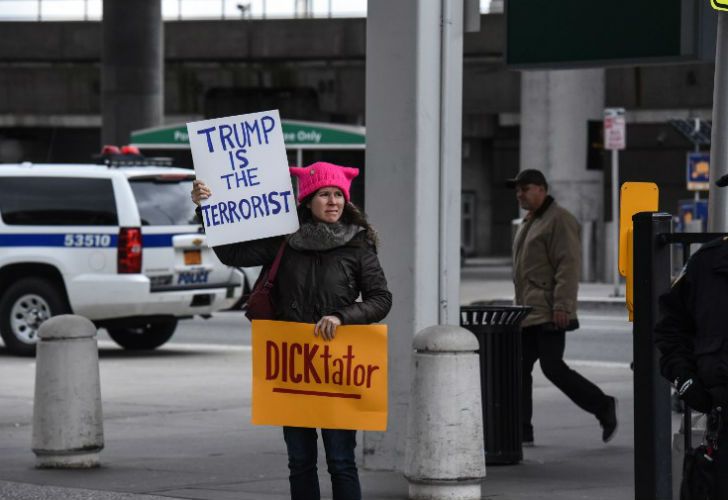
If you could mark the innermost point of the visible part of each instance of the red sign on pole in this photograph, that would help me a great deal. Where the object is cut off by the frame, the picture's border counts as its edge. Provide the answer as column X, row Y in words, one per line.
column 615, row 133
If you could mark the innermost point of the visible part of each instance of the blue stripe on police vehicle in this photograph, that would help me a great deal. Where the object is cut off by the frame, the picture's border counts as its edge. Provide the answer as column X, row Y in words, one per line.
column 157, row 240
column 81, row 240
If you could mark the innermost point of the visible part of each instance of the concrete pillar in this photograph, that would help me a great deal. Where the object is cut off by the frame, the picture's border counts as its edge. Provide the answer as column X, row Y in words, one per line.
column 444, row 456
column 718, row 206
column 67, row 420
column 132, row 68
column 402, row 119
column 555, row 109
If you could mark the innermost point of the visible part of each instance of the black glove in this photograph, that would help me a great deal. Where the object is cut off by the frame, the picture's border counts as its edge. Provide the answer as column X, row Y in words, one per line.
column 695, row 395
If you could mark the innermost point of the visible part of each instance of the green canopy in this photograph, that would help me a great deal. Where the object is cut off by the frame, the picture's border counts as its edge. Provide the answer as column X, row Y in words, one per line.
column 296, row 135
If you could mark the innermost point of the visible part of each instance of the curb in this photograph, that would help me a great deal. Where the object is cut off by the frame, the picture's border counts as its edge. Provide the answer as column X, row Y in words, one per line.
column 615, row 304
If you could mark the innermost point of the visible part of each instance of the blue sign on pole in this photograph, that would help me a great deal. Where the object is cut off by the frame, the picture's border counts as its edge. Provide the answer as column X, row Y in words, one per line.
column 690, row 211
column 698, row 172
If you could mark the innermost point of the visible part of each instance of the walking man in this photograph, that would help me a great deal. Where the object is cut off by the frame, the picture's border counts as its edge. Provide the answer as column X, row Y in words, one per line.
column 546, row 263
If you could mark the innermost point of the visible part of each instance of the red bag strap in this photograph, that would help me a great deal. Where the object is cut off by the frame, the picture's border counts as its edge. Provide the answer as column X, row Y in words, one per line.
column 276, row 262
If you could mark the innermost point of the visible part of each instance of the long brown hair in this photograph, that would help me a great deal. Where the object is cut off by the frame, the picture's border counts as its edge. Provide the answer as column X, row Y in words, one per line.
column 351, row 215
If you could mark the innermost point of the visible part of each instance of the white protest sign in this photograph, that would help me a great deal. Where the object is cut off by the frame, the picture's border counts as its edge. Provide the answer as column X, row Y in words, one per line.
column 243, row 161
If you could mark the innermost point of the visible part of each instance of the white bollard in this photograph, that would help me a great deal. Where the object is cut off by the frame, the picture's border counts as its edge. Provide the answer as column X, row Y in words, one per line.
column 67, row 421
column 444, row 457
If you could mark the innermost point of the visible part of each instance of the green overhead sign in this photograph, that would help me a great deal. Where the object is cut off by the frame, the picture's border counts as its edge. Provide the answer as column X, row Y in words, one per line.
column 296, row 135
column 576, row 33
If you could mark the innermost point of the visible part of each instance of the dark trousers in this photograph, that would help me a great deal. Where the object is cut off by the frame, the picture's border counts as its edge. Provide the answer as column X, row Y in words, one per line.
column 706, row 479
column 721, row 469
column 548, row 346
column 302, row 456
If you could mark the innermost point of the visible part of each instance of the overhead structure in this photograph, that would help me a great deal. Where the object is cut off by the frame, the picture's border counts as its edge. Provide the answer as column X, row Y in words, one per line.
column 297, row 135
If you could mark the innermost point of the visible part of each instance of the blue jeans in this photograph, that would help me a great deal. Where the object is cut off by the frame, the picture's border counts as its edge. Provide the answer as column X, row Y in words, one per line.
column 302, row 455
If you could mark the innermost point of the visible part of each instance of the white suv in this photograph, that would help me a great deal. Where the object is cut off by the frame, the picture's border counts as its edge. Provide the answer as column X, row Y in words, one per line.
column 117, row 243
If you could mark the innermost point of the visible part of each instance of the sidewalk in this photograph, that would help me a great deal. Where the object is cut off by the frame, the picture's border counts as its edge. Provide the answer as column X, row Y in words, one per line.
column 177, row 426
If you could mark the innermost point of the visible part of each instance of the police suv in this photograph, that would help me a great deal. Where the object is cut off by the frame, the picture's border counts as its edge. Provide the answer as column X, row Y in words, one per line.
column 116, row 242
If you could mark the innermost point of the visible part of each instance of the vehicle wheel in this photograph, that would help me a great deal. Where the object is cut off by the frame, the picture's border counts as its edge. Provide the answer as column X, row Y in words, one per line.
column 145, row 336
column 23, row 307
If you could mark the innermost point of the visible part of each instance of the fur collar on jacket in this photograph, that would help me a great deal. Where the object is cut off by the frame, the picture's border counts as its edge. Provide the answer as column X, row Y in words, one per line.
column 321, row 236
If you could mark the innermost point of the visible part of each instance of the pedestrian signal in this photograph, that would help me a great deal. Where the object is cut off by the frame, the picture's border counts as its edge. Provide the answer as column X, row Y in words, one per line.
column 635, row 197
column 719, row 4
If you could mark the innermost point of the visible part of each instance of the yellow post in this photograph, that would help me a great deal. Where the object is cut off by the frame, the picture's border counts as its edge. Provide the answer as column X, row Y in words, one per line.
column 635, row 197
column 629, row 295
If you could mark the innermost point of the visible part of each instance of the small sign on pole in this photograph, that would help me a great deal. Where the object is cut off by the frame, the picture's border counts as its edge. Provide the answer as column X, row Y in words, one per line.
column 615, row 130
column 698, row 172
column 719, row 4
column 243, row 161
column 615, row 139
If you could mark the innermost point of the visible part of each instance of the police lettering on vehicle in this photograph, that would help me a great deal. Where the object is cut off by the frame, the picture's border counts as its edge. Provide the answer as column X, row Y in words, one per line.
column 193, row 277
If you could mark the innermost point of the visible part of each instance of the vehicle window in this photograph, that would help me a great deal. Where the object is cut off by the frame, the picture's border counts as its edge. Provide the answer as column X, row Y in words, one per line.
column 164, row 202
column 57, row 201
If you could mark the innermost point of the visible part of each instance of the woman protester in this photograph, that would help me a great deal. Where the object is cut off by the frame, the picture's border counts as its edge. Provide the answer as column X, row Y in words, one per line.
column 326, row 265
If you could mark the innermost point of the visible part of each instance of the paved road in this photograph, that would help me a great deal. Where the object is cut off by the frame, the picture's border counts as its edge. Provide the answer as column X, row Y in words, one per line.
column 603, row 337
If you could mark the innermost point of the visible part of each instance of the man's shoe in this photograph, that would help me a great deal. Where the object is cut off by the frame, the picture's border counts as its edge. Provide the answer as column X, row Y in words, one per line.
column 608, row 420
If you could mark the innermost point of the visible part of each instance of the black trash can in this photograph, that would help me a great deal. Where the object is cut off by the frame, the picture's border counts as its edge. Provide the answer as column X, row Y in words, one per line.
column 499, row 337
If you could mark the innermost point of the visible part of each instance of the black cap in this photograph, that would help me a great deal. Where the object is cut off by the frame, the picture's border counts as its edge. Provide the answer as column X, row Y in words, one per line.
column 528, row 176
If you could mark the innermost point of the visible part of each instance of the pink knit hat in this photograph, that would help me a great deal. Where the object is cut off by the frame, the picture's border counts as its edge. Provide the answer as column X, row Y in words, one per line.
column 322, row 174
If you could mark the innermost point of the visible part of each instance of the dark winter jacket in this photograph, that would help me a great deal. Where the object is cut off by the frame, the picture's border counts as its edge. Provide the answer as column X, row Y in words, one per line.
column 311, row 284
column 692, row 332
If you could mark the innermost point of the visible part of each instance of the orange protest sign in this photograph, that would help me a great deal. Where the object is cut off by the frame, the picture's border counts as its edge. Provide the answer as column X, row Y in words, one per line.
column 301, row 380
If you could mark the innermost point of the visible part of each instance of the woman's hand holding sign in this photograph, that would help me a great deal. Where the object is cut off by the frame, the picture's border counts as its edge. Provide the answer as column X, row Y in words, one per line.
column 200, row 191
column 326, row 327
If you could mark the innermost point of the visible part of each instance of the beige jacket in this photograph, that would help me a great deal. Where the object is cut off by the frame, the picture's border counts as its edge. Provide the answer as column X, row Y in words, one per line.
column 546, row 263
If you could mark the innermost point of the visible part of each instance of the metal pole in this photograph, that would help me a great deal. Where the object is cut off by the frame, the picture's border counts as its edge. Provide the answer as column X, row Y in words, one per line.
column 451, row 84
column 718, row 197
column 696, row 149
column 652, row 418
column 615, row 221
